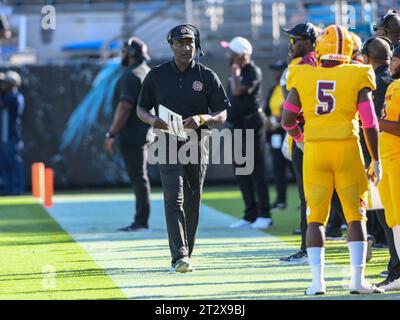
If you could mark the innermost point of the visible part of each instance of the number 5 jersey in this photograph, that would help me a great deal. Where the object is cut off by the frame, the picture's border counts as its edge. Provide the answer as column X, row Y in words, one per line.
column 329, row 98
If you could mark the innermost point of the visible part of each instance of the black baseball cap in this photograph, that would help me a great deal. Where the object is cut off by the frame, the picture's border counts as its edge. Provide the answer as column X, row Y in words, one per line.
column 305, row 30
column 182, row 32
column 139, row 46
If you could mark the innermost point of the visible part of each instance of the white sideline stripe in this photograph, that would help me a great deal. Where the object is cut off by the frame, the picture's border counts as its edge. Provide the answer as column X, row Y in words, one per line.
column 93, row 226
column 100, row 197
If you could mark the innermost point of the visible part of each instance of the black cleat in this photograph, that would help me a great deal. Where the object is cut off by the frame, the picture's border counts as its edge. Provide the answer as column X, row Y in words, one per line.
column 299, row 257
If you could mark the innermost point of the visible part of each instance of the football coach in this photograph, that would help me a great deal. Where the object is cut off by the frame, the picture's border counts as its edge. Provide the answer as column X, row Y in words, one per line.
column 195, row 92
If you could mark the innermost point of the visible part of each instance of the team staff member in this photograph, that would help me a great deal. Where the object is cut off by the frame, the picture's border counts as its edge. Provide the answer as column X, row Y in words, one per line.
column 244, row 92
column 276, row 135
column 389, row 26
column 301, row 51
column 377, row 52
column 356, row 56
column 332, row 158
column 390, row 153
column 11, row 143
column 131, row 130
column 194, row 91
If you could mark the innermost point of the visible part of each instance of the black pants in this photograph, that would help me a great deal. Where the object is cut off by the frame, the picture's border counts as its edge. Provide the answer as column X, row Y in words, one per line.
column 182, row 188
column 279, row 163
column 254, row 186
column 374, row 227
column 297, row 162
column 135, row 159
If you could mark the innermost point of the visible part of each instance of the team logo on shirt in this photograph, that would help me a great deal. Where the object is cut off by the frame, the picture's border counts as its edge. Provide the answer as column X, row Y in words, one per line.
column 197, row 86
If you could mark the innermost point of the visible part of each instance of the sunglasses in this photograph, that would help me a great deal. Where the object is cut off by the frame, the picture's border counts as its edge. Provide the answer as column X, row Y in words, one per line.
column 294, row 40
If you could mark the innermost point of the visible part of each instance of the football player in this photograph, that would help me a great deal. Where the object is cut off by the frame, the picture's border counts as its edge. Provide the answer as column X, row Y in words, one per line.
column 389, row 143
column 356, row 56
column 331, row 96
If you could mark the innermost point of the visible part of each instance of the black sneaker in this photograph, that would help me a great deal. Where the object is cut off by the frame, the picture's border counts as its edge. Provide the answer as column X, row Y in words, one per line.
column 299, row 257
column 278, row 206
column 133, row 228
column 389, row 279
column 334, row 234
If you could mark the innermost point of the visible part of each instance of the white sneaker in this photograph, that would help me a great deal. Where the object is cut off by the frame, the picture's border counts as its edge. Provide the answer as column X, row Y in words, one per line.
column 366, row 288
column 262, row 223
column 240, row 224
column 183, row 265
column 316, row 290
column 392, row 286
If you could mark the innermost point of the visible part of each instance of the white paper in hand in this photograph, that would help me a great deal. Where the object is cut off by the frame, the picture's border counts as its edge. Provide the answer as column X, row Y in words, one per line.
column 174, row 122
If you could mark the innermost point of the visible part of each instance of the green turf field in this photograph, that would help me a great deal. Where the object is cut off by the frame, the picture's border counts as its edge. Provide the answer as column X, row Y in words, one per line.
column 34, row 247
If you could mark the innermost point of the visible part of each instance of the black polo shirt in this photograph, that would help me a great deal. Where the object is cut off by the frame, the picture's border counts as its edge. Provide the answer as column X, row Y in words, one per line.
column 250, row 101
column 383, row 79
column 127, row 89
column 187, row 93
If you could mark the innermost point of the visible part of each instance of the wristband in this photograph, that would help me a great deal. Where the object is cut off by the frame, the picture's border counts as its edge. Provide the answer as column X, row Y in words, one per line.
column 288, row 128
column 291, row 107
column 299, row 138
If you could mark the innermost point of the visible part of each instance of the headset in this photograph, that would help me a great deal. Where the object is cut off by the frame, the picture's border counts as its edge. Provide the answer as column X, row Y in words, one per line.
column 196, row 34
column 383, row 22
column 364, row 47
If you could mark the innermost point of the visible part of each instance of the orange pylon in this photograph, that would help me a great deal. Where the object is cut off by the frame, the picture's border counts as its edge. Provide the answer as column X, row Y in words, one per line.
column 49, row 188
column 38, row 179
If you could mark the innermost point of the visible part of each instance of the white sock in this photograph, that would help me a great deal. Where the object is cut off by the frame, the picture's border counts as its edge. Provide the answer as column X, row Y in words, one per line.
column 396, row 236
column 358, row 256
column 316, row 259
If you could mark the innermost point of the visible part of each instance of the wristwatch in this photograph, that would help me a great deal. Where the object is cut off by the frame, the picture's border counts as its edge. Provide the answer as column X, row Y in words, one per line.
column 109, row 135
